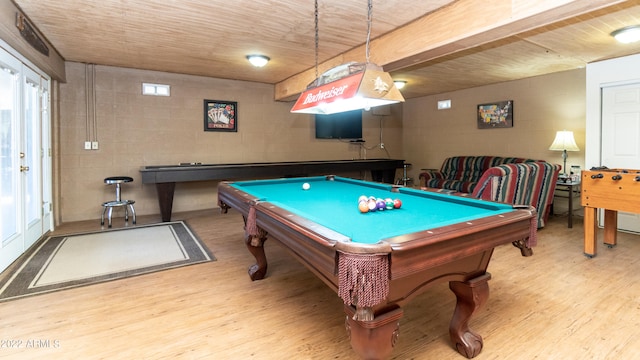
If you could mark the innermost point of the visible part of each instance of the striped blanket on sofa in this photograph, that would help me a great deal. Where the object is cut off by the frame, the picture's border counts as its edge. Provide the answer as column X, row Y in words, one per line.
column 528, row 183
column 462, row 173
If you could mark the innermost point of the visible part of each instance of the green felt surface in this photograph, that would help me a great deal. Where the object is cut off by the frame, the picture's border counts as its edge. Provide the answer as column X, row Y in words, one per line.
column 334, row 204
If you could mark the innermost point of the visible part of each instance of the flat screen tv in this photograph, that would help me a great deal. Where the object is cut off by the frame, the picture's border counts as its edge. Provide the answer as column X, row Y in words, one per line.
column 346, row 125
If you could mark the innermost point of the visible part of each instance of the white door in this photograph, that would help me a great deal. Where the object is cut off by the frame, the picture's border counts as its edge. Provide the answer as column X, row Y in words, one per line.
column 621, row 137
column 31, row 157
column 11, row 232
column 25, row 161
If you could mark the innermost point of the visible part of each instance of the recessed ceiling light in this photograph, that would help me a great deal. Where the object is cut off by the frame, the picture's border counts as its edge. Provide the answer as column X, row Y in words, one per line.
column 627, row 34
column 399, row 83
column 258, row 60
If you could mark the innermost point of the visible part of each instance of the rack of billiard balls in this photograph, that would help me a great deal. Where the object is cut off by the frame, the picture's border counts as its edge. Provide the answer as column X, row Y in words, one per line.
column 371, row 204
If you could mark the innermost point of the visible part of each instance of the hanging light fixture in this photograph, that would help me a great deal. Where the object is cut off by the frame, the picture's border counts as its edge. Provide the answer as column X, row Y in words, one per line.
column 349, row 86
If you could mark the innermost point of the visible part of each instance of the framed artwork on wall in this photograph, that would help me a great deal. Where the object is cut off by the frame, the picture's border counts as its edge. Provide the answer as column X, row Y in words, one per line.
column 495, row 115
column 220, row 115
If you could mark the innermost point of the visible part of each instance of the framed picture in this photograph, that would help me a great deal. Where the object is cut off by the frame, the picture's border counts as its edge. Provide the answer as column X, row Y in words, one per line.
column 220, row 115
column 495, row 115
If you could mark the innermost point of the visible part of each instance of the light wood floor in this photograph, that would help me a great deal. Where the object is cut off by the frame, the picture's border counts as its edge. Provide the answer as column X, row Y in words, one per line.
column 555, row 305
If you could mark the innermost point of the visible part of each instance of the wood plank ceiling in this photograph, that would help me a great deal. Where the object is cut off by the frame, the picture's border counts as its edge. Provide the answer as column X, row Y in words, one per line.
column 436, row 46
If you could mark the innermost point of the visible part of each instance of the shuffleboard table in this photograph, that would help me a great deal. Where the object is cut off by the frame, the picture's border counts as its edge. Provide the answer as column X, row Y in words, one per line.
column 165, row 177
column 378, row 261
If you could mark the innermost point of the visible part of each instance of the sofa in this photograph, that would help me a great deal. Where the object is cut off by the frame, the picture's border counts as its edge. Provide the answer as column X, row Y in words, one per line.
column 527, row 183
column 511, row 180
column 462, row 173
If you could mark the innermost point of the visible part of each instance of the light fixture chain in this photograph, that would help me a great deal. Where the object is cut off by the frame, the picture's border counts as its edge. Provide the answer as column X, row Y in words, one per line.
column 369, row 16
column 317, row 36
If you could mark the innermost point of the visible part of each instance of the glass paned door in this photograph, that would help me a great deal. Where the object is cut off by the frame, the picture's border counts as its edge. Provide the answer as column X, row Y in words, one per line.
column 31, row 157
column 9, row 114
column 12, row 239
column 23, row 93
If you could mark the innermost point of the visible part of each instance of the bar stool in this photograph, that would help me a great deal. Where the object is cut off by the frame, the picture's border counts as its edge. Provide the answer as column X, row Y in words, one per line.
column 118, row 202
column 405, row 179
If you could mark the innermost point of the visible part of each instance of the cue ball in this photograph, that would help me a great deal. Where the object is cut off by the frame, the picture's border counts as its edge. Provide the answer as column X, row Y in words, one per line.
column 306, row 186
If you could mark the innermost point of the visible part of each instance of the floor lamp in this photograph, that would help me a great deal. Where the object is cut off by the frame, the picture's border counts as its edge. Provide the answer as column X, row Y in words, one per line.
column 564, row 142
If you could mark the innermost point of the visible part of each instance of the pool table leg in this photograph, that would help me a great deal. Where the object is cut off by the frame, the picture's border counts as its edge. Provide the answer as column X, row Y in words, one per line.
column 373, row 339
column 471, row 295
column 255, row 244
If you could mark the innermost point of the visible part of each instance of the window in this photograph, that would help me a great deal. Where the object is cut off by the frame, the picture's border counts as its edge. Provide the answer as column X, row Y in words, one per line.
column 156, row 89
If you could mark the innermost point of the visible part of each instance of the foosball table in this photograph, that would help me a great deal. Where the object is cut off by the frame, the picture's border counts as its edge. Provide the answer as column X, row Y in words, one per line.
column 612, row 190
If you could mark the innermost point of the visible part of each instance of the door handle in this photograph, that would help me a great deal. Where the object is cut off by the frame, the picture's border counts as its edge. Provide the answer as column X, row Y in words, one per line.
column 24, row 168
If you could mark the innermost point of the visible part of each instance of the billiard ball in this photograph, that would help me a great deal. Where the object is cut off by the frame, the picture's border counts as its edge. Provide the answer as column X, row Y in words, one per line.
column 363, row 207
column 397, row 203
column 380, row 204
column 306, row 186
column 372, row 205
column 388, row 204
column 362, row 198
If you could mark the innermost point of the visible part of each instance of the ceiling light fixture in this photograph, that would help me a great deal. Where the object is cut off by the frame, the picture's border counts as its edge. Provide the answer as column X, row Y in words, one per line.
column 399, row 84
column 350, row 86
column 627, row 34
column 258, row 60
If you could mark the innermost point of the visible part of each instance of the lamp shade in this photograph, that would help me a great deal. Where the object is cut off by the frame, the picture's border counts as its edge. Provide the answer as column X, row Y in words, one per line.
column 564, row 141
column 348, row 87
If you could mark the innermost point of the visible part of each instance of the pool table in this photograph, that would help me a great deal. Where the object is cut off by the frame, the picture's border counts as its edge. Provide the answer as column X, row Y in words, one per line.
column 378, row 261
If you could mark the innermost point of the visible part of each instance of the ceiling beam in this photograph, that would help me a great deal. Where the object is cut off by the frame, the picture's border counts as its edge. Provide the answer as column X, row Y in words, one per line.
column 460, row 26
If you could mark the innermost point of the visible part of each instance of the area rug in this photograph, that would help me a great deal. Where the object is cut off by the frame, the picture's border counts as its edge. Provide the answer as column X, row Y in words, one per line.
column 69, row 261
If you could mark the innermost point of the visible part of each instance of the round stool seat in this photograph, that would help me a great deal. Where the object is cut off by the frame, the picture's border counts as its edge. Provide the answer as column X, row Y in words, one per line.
column 117, row 179
column 118, row 202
